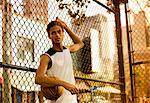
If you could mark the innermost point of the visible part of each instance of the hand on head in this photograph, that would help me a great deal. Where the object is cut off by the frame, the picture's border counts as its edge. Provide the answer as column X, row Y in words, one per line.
column 61, row 22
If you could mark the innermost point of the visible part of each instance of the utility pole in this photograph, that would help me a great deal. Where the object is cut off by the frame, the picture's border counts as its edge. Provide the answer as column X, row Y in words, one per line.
column 6, row 48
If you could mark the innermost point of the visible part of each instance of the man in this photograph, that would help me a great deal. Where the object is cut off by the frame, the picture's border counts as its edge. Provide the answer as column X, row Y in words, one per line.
column 55, row 67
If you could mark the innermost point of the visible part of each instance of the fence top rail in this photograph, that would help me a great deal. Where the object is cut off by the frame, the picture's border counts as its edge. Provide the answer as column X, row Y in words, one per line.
column 5, row 65
column 104, row 6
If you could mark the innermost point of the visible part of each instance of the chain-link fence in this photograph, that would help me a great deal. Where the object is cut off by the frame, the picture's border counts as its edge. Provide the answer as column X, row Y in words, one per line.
column 139, row 30
column 24, row 38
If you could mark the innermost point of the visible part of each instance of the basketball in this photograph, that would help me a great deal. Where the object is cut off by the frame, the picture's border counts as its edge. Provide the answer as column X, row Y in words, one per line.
column 52, row 93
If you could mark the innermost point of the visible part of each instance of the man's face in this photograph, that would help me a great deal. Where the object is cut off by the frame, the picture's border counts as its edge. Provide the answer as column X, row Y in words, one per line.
column 56, row 34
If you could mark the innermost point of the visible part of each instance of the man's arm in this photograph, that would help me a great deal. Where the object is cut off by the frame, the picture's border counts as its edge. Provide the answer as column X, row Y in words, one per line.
column 42, row 79
column 78, row 44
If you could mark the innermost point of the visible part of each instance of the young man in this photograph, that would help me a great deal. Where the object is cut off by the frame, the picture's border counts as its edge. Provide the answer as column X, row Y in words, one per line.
column 56, row 67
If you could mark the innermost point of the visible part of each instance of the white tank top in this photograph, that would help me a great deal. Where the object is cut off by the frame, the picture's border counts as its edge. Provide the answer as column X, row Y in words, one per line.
column 62, row 68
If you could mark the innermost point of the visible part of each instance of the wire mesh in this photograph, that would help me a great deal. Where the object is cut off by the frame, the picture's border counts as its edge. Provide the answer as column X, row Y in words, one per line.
column 139, row 23
column 24, row 38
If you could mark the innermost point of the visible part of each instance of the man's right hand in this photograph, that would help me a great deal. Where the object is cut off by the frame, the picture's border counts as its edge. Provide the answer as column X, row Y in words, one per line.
column 72, row 88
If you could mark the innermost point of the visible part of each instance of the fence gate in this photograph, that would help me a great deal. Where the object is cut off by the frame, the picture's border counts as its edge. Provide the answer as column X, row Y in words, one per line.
column 98, row 66
column 138, row 36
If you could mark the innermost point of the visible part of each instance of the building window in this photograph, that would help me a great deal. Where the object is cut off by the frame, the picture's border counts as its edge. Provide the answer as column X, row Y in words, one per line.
column 31, row 97
column 34, row 9
column 148, row 36
column 25, row 49
column 16, row 95
column 0, row 93
column 0, row 2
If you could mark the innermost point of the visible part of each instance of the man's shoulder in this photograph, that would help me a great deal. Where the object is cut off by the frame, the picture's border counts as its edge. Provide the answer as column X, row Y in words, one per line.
column 50, row 52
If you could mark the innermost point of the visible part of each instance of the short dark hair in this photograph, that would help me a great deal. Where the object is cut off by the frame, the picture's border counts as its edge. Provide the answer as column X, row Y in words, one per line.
column 51, row 24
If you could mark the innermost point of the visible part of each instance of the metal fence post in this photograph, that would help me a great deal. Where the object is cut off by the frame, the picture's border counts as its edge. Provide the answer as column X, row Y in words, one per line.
column 129, row 54
column 120, row 50
column 6, row 46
